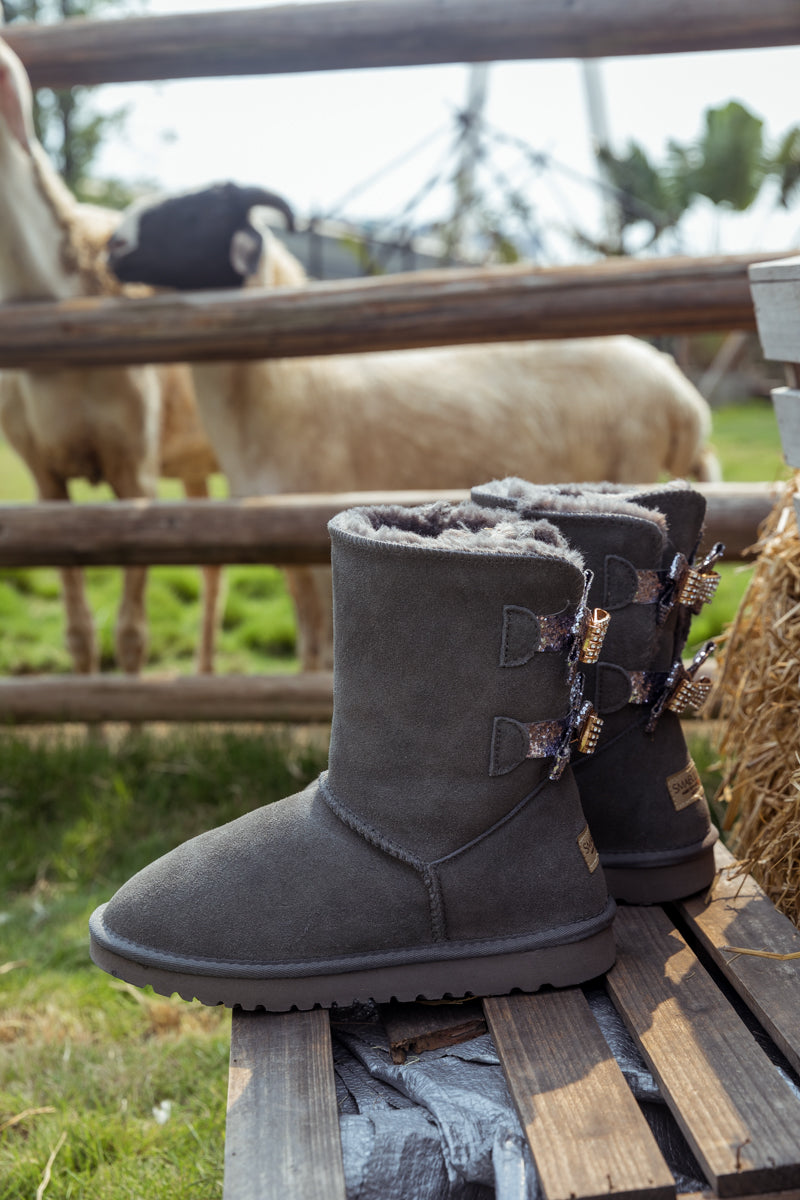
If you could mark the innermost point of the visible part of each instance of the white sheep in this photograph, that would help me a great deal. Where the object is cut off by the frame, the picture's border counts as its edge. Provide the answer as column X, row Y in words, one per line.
column 585, row 409
column 124, row 425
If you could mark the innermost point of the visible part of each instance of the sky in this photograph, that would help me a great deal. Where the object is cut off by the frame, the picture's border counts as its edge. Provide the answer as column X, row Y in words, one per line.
column 317, row 137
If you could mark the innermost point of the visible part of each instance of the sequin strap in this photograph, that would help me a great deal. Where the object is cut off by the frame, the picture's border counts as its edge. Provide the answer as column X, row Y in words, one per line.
column 691, row 586
column 588, row 629
column 515, row 741
column 581, row 635
column 676, row 689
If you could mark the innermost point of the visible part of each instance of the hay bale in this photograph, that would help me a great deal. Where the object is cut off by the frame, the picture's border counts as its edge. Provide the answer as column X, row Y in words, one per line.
column 757, row 694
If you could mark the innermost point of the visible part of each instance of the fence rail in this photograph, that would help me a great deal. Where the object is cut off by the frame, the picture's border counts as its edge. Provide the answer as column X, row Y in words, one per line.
column 90, row 699
column 389, row 33
column 285, row 530
column 644, row 297
column 280, row 529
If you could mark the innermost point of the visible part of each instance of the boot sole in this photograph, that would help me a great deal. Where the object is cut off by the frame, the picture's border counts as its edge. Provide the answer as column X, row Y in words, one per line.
column 497, row 974
column 659, row 884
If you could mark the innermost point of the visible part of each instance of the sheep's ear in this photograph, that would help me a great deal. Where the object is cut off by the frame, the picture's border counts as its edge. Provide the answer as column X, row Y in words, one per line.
column 11, row 107
column 247, row 246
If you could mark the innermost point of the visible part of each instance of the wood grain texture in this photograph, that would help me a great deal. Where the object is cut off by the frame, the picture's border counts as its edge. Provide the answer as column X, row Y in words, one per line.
column 424, row 308
column 776, row 298
column 787, row 413
column 412, row 1028
column 739, row 1116
column 389, row 33
column 282, row 1136
column 44, row 699
column 737, row 912
column 285, row 530
column 586, row 1132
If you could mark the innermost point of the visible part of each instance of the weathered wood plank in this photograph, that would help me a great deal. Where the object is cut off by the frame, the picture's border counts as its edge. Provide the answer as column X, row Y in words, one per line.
column 412, row 1028
column 737, row 912
column 787, row 413
column 739, row 1116
column 776, row 297
column 586, row 1132
column 282, row 1136
column 424, row 308
column 366, row 33
column 734, row 513
column 48, row 699
column 285, row 530
column 788, row 1194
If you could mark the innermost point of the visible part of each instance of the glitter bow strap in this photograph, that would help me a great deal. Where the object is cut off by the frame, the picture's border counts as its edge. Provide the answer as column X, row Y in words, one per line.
column 690, row 586
column 515, row 741
column 676, row 691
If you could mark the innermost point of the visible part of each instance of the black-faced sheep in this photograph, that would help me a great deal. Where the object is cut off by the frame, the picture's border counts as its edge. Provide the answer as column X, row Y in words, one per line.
column 578, row 410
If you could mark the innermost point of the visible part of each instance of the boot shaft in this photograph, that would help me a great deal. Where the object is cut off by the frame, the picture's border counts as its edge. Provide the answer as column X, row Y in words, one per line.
column 456, row 639
column 640, row 544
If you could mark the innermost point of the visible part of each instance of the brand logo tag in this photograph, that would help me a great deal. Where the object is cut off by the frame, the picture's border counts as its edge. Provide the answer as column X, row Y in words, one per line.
column 588, row 849
column 685, row 787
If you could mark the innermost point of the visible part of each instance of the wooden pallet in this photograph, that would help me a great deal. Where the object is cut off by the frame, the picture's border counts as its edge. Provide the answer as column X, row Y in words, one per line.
column 585, row 1130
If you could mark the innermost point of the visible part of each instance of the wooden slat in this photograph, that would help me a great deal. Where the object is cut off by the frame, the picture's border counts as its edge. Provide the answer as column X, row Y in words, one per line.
column 282, row 1138
column 776, row 296
column 736, row 912
column 788, row 1194
column 738, row 1115
column 586, row 1132
column 413, row 1028
column 423, row 308
column 285, row 530
column 787, row 413
column 363, row 33
column 49, row 699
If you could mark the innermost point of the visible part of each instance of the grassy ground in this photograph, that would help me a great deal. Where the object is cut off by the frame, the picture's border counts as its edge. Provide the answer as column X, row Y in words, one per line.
column 124, row 1092
column 257, row 633
column 85, row 1057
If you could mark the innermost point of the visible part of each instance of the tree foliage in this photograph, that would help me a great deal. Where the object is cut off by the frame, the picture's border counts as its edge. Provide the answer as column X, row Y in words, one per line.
column 728, row 165
column 68, row 123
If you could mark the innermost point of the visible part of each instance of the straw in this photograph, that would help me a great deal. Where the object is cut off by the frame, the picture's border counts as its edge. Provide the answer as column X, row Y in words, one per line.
column 758, row 694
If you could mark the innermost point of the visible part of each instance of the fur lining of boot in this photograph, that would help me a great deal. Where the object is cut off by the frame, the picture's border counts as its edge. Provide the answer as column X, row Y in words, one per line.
column 605, row 498
column 457, row 527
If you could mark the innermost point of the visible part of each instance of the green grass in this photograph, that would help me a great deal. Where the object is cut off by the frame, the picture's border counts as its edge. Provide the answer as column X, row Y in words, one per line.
column 746, row 439
column 257, row 632
column 77, row 818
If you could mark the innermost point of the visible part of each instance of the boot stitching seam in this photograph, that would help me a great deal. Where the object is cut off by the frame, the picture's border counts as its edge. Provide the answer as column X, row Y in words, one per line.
column 375, row 838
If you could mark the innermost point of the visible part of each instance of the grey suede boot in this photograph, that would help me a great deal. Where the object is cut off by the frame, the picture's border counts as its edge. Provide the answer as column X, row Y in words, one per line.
column 445, row 850
column 641, row 792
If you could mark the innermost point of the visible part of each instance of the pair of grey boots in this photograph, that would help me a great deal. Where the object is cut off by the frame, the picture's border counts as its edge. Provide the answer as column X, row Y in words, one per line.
column 497, row 778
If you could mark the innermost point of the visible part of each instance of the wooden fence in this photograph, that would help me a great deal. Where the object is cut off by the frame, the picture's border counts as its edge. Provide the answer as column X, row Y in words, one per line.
column 438, row 307
column 287, row 530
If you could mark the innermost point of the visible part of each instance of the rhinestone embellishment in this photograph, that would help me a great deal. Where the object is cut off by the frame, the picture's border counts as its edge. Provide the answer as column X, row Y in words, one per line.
column 597, row 624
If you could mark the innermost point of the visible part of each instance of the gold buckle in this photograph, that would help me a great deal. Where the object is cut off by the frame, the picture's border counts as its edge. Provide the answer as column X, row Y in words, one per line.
column 700, row 583
column 698, row 588
column 596, row 628
column 588, row 728
column 690, row 693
